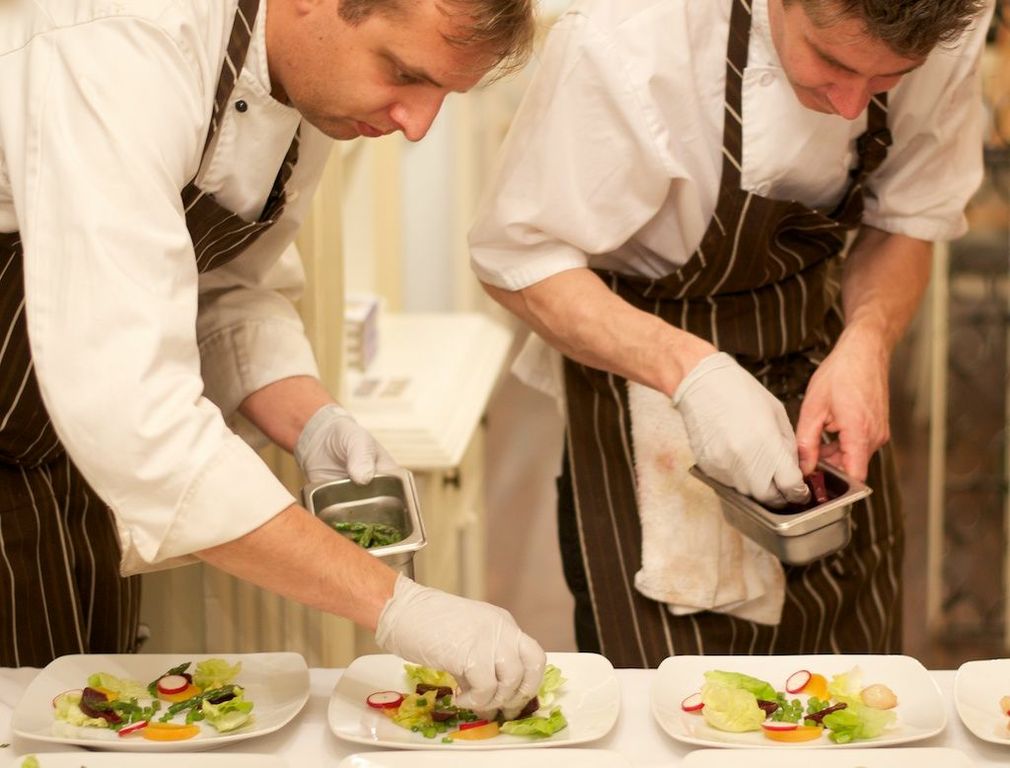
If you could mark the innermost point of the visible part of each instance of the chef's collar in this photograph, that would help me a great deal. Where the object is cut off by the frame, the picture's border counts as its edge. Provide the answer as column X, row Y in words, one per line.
column 762, row 51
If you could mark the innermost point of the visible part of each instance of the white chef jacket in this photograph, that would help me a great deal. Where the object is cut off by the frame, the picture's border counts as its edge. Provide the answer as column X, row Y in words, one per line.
column 614, row 158
column 106, row 107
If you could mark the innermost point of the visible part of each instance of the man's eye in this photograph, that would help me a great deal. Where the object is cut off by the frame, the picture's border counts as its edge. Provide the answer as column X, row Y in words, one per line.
column 405, row 78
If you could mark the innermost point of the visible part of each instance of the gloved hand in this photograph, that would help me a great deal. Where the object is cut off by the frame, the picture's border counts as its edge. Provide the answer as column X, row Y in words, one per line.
column 495, row 664
column 333, row 446
column 739, row 432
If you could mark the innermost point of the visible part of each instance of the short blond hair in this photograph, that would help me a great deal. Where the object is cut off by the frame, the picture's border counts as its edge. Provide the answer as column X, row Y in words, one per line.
column 504, row 28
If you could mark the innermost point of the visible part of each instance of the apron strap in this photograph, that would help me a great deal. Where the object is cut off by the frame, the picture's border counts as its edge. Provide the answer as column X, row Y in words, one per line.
column 234, row 59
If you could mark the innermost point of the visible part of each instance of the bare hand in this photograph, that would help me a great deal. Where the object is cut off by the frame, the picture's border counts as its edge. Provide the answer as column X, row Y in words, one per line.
column 847, row 398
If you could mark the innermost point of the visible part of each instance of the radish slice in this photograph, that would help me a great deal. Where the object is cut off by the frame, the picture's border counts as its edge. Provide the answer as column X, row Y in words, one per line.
column 472, row 724
column 692, row 703
column 133, row 728
column 170, row 684
column 797, row 681
column 385, row 699
column 774, row 726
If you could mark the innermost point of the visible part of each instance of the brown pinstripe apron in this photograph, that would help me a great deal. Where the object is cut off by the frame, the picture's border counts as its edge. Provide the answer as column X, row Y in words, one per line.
column 764, row 287
column 60, row 589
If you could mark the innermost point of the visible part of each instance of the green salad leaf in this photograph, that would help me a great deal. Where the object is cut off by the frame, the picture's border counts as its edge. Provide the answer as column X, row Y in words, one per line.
column 857, row 722
column 537, row 727
column 69, row 711
column 228, row 715
column 215, row 673
column 30, row 761
column 427, row 676
column 761, row 689
column 122, row 687
column 729, row 708
column 549, row 686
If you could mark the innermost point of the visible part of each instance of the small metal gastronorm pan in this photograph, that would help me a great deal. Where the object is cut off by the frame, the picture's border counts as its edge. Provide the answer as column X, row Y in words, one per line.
column 390, row 499
column 796, row 535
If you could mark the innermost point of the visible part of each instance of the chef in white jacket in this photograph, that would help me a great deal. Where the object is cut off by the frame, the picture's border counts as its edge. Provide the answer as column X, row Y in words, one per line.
column 672, row 212
column 156, row 161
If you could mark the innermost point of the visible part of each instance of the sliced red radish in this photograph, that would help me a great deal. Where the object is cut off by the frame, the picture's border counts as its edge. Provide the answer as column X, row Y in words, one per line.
column 772, row 725
column 133, row 728
column 58, row 696
column 170, row 684
column 797, row 681
column 472, row 724
column 385, row 699
column 692, row 703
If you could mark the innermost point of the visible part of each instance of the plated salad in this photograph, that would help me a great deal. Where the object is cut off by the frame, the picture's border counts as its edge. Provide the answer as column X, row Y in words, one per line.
column 809, row 707
column 168, row 708
column 428, row 708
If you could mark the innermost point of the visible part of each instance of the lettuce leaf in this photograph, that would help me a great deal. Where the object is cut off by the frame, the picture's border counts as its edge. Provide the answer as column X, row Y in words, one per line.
column 730, row 709
column 228, row 715
column 537, row 727
column 549, row 686
column 857, row 722
column 759, row 688
column 415, row 710
column 69, row 711
column 215, row 673
column 428, row 676
column 123, row 688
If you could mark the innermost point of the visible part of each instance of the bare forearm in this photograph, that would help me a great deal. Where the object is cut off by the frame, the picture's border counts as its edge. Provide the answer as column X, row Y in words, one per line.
column 884, row 280
column 298, row 556
column 281, row 409
column 577, row 314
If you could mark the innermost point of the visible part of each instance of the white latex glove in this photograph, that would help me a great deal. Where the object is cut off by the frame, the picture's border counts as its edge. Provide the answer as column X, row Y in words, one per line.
column 495, row 664
column 739, row 432
column 333, row 446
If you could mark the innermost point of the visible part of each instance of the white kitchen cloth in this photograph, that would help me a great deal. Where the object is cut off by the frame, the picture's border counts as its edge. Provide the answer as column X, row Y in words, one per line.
column 692, row 559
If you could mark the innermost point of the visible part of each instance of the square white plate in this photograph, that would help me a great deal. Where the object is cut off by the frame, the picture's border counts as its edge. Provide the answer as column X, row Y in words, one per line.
column 119, row 760
column 978, row 687
column 276, row 683
column 899, row 757
column 589, row 699
column 527, row 758
column 921, row 712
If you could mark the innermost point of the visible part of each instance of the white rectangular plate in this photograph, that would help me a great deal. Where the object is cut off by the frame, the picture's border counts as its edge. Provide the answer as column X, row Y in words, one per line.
column 589, row 699
column 899, row 757
column 921, row 712
column 528, row 758
column 978, row 687
column 276, row 683
column 119, row 760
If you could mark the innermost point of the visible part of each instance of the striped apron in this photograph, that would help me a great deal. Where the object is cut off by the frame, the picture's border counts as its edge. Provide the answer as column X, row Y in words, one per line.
column 60, row 588
column 764, row 287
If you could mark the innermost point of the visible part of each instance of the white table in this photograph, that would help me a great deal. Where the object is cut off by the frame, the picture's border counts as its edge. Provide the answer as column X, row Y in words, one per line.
column 308, row 741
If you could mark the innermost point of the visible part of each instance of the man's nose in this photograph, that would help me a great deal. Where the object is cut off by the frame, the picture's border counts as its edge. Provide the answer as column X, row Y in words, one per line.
column 849, row 99
column 415, row 117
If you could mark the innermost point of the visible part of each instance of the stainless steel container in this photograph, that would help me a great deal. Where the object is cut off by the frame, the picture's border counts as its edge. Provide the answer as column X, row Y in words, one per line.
column 390, row 499
column 795, row 536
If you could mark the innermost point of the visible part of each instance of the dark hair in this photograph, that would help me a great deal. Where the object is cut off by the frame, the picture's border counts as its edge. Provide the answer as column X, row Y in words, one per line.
column 910, row 28
column 504, row 28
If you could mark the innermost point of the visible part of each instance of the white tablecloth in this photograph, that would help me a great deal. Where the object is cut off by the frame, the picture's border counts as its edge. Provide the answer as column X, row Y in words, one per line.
column 308, row 741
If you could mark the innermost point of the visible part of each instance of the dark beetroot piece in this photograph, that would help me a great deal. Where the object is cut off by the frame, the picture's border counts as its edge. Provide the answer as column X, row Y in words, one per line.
column 442, row 690
column 440, row 715
column 95, row 704
column 531, row 706
column 818, row 717
column 818, row 490
column 223, row 697
column 769, row 707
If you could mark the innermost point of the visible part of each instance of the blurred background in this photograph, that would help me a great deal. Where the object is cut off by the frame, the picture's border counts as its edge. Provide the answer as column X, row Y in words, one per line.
column 407, row 339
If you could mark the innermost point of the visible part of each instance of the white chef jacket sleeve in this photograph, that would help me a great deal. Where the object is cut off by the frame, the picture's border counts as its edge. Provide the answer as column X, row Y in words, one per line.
column 582, row 169
column 97, row 153
column 935, row 163
column 249, row 331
